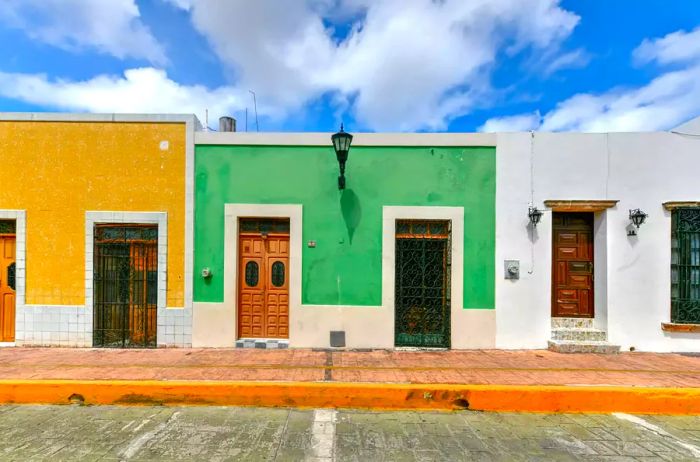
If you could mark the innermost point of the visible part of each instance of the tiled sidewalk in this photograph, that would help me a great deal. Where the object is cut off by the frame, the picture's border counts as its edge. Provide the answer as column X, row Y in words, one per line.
column 485, row 367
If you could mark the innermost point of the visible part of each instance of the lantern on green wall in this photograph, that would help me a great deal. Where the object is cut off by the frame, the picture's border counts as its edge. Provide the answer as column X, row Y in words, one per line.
column 341, row 144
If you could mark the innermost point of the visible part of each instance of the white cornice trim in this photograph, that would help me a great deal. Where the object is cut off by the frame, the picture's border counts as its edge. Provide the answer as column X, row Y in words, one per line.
column 359, row 139
column 87, row 117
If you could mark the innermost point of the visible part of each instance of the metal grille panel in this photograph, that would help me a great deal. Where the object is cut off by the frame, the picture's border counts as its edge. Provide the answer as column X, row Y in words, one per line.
column 8, row 227
column 125, row 286
column 422, row 286
column 685, row 266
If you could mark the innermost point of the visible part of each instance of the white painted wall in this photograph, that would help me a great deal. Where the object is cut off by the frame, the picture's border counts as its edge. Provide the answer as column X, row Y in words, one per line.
column 641, row 170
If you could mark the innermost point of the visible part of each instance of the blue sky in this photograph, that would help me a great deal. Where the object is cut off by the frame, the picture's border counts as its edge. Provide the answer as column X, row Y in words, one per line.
column 377, row 65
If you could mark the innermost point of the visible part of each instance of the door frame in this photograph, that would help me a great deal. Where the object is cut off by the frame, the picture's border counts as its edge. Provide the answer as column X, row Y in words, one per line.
column 554, row 269
column 263, row 273
column 447, row 262
column 19, row 216
column 232, row 213
column 461, row 323
column 601, row 239
column 157, row 218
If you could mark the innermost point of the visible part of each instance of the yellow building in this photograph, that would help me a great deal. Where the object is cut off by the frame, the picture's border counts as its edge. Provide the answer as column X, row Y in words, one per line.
column 98, row 212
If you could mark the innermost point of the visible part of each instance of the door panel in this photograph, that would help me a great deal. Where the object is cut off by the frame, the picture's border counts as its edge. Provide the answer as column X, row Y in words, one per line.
column 572, row 265
column 7, row 291
column 263, row 308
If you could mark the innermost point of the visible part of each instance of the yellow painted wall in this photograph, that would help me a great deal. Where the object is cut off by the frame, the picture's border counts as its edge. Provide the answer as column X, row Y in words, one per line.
column 58, row 170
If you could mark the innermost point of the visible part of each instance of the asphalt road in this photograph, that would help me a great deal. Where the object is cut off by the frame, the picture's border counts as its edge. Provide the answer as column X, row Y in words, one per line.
column 224, row 433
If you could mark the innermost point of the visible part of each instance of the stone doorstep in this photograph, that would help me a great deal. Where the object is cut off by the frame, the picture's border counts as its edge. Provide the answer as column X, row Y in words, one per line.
column 577, row 346
column 265, row 344
column 579, row 334
column 572, row 323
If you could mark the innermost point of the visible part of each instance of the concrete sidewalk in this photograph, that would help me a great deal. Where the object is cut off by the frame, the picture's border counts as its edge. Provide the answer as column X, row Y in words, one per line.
column 485, row 380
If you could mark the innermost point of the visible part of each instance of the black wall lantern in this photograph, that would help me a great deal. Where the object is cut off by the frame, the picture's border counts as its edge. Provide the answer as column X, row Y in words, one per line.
column 535, row 215
column 341, row 144
column 637, row 217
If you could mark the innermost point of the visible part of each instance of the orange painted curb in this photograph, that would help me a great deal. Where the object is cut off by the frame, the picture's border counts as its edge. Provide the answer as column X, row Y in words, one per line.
column 356, row 395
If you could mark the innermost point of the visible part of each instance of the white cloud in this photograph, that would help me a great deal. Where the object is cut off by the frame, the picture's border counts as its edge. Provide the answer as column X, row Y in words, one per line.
column 182, row 4
column 403, row 65
column 517, row 123
column 677, row 47
column 572, row 60
column 406, row 64
column 666, row 101
column 109, row 26
column 143, row 90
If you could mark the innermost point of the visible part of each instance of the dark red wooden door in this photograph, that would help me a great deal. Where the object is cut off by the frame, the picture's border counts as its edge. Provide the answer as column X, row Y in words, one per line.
column 572, row 265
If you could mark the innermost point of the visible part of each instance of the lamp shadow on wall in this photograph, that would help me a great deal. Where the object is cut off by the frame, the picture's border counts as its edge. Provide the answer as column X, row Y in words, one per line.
column 352, row 211
column 532, row 233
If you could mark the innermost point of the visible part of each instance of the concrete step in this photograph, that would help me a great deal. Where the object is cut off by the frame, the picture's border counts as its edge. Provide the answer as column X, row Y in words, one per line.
column 262, row 343
column 575, row 346
column 572, row 323
column 565, row 333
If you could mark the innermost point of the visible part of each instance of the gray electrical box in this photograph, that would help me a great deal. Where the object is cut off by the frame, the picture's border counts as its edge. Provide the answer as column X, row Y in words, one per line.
column 511, row 269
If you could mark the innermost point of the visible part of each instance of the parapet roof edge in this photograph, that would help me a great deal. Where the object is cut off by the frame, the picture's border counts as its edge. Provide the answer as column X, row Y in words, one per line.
column 90, row 117
column 359, row 139
column 689, row 127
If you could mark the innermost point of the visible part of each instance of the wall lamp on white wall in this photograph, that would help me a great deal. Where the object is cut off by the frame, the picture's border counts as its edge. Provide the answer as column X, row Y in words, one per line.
column 535, row 215
column 637, row 217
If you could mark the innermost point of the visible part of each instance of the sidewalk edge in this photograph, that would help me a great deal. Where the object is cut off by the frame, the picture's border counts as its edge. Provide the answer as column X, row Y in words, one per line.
column 379, row 396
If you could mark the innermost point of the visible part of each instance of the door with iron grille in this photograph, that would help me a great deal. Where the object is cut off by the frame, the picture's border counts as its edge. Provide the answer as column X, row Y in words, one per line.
column 422, row 293
column 125, row 286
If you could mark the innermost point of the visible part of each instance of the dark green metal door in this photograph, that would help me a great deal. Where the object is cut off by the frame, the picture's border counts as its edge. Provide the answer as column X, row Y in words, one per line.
column 422, row 317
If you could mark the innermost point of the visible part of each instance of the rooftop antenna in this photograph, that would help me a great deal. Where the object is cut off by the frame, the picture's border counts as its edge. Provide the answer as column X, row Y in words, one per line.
column 206, row 120
column 255, row 105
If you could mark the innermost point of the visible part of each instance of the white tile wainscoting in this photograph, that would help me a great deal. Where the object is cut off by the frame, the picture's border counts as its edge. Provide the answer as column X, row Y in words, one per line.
column 53, row 325
column 71, row 326
column 174, row 327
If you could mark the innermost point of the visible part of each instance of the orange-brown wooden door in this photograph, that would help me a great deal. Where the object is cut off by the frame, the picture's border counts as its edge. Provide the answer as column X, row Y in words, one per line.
column 572, row 265
column 263, row 285
column 7, row 288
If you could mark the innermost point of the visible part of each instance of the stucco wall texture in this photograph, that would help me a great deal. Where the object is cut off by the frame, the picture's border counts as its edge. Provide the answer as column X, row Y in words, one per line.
column 57, row 171
column 345, row 266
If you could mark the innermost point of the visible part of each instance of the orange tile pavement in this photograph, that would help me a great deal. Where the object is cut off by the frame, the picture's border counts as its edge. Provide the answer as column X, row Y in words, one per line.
column 483, row 367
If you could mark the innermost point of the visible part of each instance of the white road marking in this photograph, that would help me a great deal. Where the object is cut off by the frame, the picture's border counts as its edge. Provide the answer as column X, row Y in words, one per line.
column 323, row 434
column 128, row 425
column 659, row 431
column 137, row 443
column 141, row 425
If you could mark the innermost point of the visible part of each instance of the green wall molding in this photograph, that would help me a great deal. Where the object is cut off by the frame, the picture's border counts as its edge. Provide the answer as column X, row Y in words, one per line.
column 345, row 266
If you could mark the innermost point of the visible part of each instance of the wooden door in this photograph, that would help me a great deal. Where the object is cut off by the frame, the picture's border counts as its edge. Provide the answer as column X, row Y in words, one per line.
column 263, row 285
column 572, row 265
column 7, row 288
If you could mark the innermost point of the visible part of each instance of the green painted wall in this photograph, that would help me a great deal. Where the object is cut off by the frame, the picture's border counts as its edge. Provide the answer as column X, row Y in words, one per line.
column 345, row 266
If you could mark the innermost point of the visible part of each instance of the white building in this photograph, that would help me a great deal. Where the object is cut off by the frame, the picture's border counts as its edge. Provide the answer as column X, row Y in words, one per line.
column 605, row 176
